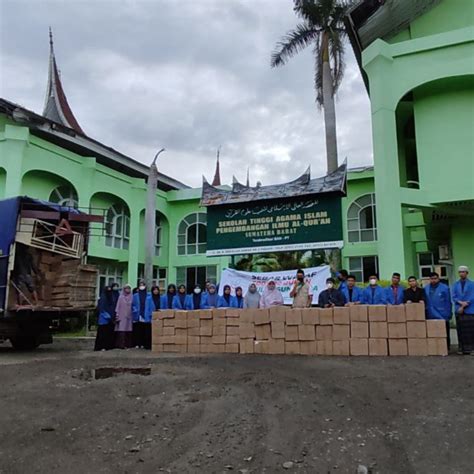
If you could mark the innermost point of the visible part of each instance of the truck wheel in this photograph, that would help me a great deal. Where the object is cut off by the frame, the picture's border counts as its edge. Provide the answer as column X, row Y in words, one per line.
column 24, row 343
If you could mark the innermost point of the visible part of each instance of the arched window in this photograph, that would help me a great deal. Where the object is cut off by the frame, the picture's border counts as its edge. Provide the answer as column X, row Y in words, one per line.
column 361, row 220
column 117, row 227
column 157, row 235
column 192, row 234
column 64, row 195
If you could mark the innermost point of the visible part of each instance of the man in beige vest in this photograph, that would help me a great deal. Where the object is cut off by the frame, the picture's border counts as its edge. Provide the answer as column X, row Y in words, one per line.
column 301, row 292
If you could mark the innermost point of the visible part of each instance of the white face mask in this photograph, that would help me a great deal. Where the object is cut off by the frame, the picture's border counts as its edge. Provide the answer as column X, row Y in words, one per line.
column 197, row 291
column 329, row 285
column 373, row 281
column 141, row 287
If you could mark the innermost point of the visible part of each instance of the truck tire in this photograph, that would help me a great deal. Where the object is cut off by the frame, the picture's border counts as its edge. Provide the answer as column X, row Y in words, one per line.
column 24, row 343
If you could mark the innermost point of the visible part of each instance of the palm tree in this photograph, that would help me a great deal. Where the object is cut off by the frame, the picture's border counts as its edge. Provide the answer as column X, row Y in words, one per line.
column 322, row 27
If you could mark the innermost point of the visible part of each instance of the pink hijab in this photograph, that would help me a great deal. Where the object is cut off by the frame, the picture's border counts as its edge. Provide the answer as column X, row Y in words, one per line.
column 271, row 297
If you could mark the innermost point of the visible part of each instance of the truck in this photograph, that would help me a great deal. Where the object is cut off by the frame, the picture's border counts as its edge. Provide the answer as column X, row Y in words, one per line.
column 44, row 275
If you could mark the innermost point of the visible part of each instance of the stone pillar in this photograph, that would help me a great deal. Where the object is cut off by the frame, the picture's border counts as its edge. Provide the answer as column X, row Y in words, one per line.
column 133, row 252
column 13, row 149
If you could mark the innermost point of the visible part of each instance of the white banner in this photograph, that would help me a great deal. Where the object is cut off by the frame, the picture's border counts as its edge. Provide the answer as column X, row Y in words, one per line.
column 315, row 276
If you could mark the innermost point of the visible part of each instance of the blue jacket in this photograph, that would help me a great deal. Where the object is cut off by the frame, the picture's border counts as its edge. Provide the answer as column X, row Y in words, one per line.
column 438, row 302
column 203, row 304
column 357, row 294
column 342, row 286
column 106, row 309
column 377, row 297
column 188, row 303
column 205, row 301
column 150, row 307
column 389, row 297
column 136, row 308
column 466, row 295
column 222, row 303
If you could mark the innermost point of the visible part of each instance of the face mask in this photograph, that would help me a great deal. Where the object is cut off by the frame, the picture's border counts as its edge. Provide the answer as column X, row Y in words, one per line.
column 197, row 291
column 373, row 281
column 329, row 285
column 141, row 287
column 300, row 277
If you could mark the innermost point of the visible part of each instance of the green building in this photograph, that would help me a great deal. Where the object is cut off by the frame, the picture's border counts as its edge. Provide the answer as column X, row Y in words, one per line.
column 413, row 212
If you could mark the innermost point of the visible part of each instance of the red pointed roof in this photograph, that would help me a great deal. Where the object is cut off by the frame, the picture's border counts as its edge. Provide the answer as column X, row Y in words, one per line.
column 217, row 176
column 56, row 106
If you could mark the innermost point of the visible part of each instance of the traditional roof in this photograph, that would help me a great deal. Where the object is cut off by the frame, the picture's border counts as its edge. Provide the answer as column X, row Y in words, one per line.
column 56, row 106
column 334, row 182
column 217, row 175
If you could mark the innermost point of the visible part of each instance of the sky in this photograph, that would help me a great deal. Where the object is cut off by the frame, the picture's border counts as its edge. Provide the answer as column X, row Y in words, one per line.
column 188, row 75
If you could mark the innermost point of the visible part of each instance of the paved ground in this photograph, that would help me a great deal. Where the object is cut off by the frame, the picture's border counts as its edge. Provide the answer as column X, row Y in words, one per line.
column 225, row 413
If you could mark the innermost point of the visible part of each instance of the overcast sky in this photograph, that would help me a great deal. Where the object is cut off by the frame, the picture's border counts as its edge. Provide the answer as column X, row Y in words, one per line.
column 187, row 75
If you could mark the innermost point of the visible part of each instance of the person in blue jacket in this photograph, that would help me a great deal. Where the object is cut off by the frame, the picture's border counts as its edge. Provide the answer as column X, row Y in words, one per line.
column 226, row 300
column 239, row 297
column 105, row 339
column 141, row 322
column 438, row 302
column 199, row 298
column 373, row 294
column 463, row 297
column 394, row 293
column 182, row 300
column 168, row 297
column 154, row 302
column 342, row 276
column 352, row 293
column 210, row 297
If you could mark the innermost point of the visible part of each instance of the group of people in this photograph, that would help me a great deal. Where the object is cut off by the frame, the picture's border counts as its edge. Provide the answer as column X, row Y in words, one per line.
column 125, row 318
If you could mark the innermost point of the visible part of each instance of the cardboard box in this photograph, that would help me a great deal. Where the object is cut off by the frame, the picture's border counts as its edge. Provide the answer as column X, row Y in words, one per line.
column 341, row 332
column 324, row 347
column 232, row 322
column 233, row 330
column 306, row 332
column 324, row 333
column 181, row 336
column 206, row 340
column 247, row 346
column 181, row 319
column 437, row 346
column 436, row 328
column 232, row 348
column 155, row 315
column 291, row 333
column 341, row 348
column 167, row 340
column 276, row 346
column 193, row 340
column 218, row 313
column 168, row 322
column 278, row 330
column 416, row 329
column 359, row 312
column 263, row 332
column 219, row 330
column 293, row 317
column 193, row 319
column 205, row 314
column 292, row 347
column 377, row 313
column 156, row 347
column 230, row 339
column 194, row 348
column 341, row 315
column 171, row 348
column 415, row 311
column 378, row 347
column 396, row 313
column 417, row 347
column 219, row 322
column 397, row 347
column 359, row 330
column 397, row 330
column 247, row 330
column 359, row 346
column 195, row 331
column 277, row 314
column 166, row 314
column 246, row 316
column 326, row 317
column 168, row 331
column 219, row 339
column 206, row 327
column 310, row 316
column 262, row 347
column 378, row 330
column 308, row 347
column 262, row 316
column 232, row 312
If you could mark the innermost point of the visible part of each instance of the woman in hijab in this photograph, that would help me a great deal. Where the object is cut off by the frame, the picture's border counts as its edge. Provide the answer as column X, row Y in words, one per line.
column 226, row 300
column 105, row 331
column 252, row 298
column 153, row 303
column 138, row 310
column 198, row 298
column 239, row 298
column 209, row 299
column 168, row 297
column 123, row 319
column 182, row 300
column 271, row 296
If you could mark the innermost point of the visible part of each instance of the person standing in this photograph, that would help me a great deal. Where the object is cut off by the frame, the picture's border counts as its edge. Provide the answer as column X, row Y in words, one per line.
column 342, row 276
column 22, row 274
column 438, row 303
column 210, row 297
column 271, row 296
column 252, row 297
column 239, row 298
column 331, row 296
column 394, row 293
column 154, row 302
column 301, row 292
column 198, row 298
column 413, row 294
column 182, row 301
column 463, row 298
column 124, row 319
column 352, row 293
column 139, row 316
column 104, row 340
column 373, row 294
column 226, row 300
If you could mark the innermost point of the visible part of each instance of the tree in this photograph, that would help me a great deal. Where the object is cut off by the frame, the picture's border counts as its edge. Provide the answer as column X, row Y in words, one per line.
column 322, row 27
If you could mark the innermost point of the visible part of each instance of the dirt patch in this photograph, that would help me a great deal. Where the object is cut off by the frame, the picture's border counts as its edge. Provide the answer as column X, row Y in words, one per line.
column 236, row 413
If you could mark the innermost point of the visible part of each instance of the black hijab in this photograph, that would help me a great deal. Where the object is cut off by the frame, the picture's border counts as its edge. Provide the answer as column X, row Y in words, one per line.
column 156, row 298
column 197, row 299
column 226, row 297
column 182, row 296
column 170, row 296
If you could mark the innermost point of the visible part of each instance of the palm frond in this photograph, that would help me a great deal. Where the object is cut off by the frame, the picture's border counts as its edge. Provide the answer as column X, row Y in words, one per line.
column 336, row 51
column 291, row 44
column 318, row 72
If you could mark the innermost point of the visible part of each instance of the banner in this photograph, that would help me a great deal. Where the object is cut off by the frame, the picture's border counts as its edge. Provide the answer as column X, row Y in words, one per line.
column 280, row 225
column 315, row 276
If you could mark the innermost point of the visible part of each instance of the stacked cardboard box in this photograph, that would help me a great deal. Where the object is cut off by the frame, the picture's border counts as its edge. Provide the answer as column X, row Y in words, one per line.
column 357, row 330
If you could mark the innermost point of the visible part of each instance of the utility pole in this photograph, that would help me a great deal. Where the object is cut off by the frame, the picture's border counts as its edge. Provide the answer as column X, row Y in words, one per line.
column 150, row 220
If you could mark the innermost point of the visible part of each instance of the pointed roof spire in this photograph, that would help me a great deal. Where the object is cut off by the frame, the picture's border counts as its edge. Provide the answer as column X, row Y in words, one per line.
column 56, row 106
column 217, row 176
column 248, row 177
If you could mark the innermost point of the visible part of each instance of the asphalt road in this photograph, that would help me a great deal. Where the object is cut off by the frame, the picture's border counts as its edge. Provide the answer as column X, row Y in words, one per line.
column 232, row 413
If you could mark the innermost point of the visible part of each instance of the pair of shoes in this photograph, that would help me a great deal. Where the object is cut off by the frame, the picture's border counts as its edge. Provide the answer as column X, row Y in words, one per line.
column 137, row 347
